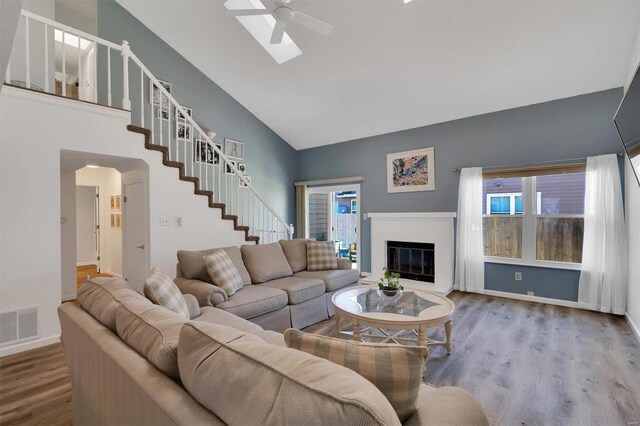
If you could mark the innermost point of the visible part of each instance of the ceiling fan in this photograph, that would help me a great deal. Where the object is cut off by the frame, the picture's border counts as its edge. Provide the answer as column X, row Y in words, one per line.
column 284, row 14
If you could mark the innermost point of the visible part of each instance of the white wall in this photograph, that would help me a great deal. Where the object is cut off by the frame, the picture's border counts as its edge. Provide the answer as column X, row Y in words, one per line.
column 635, row 58
column 108, row 181
column 30, row 243
column 632, row 201
column 68, row 233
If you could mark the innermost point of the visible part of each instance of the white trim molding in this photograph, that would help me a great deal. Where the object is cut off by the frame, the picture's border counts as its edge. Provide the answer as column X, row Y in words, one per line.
column 527, row 298
column 427, row 215
column 634, row 327
column 31, row 344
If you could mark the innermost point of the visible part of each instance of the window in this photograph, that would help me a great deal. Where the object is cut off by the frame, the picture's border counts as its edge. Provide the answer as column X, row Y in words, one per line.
column 534, row 219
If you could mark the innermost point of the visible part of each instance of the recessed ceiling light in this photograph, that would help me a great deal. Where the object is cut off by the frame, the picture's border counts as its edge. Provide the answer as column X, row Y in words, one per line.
column 261, row 27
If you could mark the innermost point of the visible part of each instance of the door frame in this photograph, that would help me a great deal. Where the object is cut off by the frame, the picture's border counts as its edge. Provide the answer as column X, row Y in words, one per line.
column 330, row 190
column 96, row 230
column 147, row 257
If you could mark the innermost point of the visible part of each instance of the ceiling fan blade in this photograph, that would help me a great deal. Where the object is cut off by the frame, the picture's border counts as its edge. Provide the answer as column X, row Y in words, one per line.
column 278, row 32
column 248, row 12
column 312, row 23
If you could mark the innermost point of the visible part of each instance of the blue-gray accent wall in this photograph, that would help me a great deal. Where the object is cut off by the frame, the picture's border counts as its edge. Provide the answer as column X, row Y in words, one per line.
column 271, row 162
column 569, row 128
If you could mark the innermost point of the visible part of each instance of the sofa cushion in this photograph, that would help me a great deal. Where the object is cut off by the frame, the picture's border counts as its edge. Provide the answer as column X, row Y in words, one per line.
column 223, row 272
column 447, row 406
column 395, row 370
column 306, row 389
column 321, row 256
column 161, row 290
column 219, row 316
column 253, row 301
column 193, row 267
column 102, row 296
column 153, row 332
column 296, row 253
column 298, row 289
column 333, row 280
column 265, row 262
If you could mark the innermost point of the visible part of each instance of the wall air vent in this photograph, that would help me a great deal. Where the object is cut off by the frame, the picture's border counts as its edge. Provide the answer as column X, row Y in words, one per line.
column 18, row 326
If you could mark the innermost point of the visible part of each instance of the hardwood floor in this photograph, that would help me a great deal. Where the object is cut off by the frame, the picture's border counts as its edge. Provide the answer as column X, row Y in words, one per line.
column 35, row 388
column 527, row 363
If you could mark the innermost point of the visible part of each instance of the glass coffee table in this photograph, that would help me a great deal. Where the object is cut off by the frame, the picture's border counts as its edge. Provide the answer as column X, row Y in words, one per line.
column 402, row 321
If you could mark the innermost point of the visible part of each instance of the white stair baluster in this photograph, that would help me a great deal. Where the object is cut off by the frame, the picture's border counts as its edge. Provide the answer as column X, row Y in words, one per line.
column 126, row 52
column 109, row 76
column 26, row 57
column 79, row 78
column 46, row 58
column 64, row 66
column 141, row 98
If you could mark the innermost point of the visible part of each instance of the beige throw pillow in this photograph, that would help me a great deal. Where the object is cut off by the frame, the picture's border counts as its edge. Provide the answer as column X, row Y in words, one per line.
column 161, row 290
column 321, row 256
column 395, row 370
column 223, row 272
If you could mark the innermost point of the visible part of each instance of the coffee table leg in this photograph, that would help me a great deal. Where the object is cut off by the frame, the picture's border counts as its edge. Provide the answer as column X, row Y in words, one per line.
column 337, row 317
column 447, row 330
column 356, row 331
column 422, row 337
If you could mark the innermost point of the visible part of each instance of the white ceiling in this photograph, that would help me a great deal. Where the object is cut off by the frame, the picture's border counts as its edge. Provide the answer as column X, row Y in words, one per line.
column 388, row 66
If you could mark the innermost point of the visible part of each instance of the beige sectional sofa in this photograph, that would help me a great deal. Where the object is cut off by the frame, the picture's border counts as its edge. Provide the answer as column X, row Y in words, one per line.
column 135, row 363
column 279, row 292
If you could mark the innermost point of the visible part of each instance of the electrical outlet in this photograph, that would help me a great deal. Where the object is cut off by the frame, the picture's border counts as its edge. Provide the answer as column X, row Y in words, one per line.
column 530, row 293
column 178, row 221
column 165, row 221
column 518, row 276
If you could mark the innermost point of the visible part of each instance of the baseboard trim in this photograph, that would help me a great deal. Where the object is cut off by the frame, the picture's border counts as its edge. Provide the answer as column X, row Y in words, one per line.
column 538, row 299
column 634, row 327
column 31, row 344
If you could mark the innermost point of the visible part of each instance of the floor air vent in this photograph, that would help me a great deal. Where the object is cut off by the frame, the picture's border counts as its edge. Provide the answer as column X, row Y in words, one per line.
column 17, row 326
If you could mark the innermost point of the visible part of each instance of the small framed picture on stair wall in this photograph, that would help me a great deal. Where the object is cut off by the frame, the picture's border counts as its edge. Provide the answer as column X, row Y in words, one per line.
column 233, row 149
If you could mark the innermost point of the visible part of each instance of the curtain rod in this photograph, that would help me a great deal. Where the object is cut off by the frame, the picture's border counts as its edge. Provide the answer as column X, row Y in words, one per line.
column 540, row 163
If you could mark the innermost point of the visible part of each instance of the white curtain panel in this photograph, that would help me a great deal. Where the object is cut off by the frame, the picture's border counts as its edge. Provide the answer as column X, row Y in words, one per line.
column 469, row 244
column 604, row 256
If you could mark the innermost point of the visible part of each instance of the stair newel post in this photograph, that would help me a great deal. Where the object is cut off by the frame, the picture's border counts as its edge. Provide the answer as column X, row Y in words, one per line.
column 291, row 230
column 126, row 53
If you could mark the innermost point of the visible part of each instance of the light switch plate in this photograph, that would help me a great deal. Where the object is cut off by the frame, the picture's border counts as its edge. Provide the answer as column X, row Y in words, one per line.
column 178, row 221
column 165, row 221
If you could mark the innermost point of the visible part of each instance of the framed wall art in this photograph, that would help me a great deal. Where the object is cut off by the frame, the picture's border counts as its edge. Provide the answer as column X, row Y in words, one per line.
column 411, row 171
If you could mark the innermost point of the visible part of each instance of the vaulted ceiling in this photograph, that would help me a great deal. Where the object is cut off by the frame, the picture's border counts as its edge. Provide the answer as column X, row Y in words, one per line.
column 388, row 66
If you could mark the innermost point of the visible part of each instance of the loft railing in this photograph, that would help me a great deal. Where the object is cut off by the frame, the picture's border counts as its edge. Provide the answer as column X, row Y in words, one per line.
column 170, row 124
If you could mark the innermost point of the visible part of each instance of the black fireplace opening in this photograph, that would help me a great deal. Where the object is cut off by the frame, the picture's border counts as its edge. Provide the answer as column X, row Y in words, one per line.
column 413, row 261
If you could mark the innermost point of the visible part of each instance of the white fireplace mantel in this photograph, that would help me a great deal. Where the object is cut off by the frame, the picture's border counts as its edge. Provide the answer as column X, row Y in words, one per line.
column 421, row 227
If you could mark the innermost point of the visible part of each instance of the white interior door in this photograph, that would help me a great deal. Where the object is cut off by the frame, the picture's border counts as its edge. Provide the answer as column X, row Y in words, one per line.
column 87, row 237
column 135, row 235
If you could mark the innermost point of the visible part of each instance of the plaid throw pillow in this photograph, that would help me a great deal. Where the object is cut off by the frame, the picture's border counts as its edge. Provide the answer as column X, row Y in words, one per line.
column 161, row 290
column 394, row 369
column 321, row 256
column 223, row 272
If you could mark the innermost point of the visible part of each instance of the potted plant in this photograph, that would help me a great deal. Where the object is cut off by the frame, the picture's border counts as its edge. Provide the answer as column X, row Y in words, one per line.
column 391, row 288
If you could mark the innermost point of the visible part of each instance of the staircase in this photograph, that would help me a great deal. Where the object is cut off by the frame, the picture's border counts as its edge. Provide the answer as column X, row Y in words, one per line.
column 167, row 127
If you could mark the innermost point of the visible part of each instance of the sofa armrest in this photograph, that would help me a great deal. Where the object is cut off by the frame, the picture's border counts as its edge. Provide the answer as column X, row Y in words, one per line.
column 193, row 305
column 206, row 294
column 344, row 263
